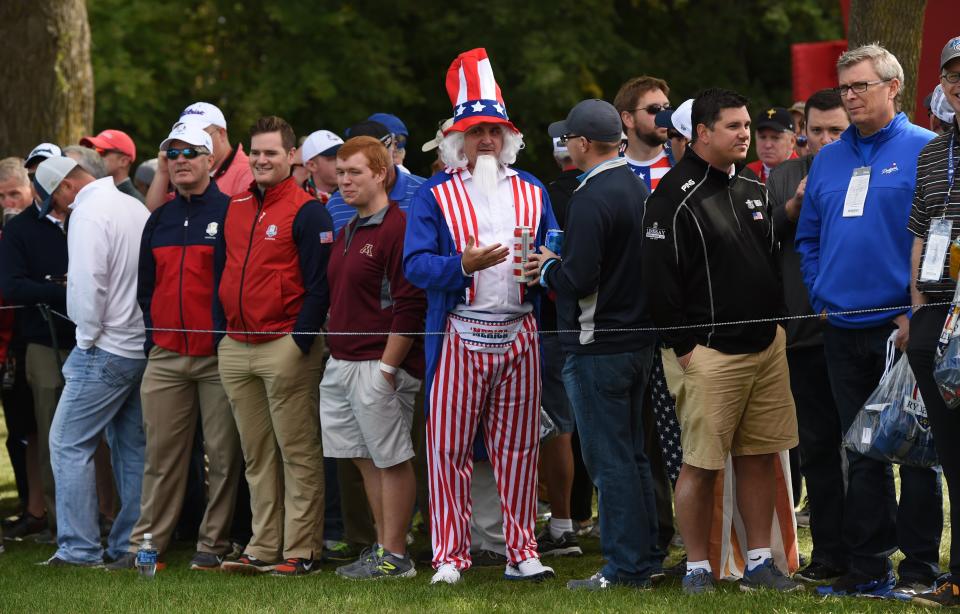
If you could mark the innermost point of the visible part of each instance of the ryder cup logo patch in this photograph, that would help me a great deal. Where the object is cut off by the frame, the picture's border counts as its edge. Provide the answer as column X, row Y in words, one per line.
column 271, row 231
column 656, row 233
column 212, row 228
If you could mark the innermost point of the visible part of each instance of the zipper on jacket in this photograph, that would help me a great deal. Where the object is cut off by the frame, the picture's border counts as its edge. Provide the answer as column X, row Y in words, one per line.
column 183, row 257
column 246, row 258
column 732, row 209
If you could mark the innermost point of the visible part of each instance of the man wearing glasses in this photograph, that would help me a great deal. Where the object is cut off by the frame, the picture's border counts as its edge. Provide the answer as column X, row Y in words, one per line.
column 638, row 102
column 936, row 197
column 181, row 381
column 401, row 186
column 855, row 254
column 118, row 153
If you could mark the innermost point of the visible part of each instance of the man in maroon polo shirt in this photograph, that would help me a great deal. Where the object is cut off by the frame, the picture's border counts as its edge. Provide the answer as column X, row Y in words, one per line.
column 368, row 388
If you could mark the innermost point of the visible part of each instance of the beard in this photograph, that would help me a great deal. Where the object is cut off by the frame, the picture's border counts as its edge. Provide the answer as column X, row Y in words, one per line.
column 485, row 175
column 651, row 139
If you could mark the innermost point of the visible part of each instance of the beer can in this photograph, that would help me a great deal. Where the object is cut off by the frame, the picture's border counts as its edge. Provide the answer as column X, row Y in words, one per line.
column 522, row 248
column 554, row 241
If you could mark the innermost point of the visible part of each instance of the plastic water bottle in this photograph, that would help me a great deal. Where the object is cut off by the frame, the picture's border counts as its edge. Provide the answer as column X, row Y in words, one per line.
column 147, row 557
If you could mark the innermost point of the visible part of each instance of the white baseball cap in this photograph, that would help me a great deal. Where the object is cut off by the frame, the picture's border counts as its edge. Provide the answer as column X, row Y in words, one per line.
column 679, row 119
column 435, row 141
column 558, row 149
column 320, row 143
column 48, row 177
column 206, row 113
column 190, row 132
column 940, row 106
column 42, row 152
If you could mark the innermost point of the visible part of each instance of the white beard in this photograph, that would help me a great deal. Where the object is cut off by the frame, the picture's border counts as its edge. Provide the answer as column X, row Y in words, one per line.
column 485, row 175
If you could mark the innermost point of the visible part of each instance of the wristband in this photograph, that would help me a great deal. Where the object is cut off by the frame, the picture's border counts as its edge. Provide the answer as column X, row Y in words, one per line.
column 543, row 271
column 388, row 369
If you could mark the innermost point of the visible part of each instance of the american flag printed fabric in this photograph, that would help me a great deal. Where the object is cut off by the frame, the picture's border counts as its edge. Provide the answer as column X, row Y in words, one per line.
column 474, row 92
column 500, row 395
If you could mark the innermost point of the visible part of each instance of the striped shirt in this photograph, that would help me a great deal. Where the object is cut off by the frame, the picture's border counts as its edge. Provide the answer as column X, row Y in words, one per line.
column 401, row 193
column 929, row 204
column 650, row 170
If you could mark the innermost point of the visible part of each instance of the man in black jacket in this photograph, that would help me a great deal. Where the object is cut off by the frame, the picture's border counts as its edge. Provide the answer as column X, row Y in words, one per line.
column 817, row 417
column 709, row 257
column 33, row 268
column 606, row 372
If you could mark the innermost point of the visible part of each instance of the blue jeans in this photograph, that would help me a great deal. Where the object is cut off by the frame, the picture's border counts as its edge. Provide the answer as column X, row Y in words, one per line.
column 102, row 393
column 607, row 392
column 874, row 524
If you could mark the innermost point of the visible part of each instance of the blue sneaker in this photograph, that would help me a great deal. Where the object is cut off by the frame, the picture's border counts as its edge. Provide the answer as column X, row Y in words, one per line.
column 698, row 581
column 858, row 584
column 768, row 577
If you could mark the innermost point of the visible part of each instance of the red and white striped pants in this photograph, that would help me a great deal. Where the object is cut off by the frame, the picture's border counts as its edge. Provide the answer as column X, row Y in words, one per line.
column 501, row 392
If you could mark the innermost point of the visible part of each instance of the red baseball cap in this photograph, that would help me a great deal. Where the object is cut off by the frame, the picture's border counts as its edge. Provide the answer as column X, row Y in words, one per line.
column 111, row 140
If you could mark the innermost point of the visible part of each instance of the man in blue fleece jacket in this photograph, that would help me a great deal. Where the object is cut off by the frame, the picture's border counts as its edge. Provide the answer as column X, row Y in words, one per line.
column 855, row 254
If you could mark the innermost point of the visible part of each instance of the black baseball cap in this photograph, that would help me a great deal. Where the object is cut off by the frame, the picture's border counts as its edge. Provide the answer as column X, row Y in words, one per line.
column 594, row 119
column 775, row 118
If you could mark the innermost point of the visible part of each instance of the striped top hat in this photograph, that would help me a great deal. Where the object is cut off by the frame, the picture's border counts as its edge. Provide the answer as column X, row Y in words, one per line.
column 474, row 92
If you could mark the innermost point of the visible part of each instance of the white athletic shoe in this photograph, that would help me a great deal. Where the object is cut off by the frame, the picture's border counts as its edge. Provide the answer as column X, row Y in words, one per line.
column 531, row 569
column 447, row 573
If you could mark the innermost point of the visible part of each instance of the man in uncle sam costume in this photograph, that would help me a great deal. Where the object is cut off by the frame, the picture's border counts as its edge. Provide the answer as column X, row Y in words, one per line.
column 469, row 227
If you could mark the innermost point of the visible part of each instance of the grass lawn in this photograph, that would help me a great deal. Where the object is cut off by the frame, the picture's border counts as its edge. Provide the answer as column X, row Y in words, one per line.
column 25, row 587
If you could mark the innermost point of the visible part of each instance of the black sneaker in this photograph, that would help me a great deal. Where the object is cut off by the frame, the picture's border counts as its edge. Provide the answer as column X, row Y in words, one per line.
column 565, row 545
column 906, row 588
column 124, row 562
column 488, row 558
column 206, row 561
column 817, row 572
column 25, row 525
column 248, row 564
column 678, row 570
column 340, row 552
column 946, row 595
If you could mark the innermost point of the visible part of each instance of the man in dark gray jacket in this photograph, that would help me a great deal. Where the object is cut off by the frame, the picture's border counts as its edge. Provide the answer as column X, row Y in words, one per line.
column 817, row 417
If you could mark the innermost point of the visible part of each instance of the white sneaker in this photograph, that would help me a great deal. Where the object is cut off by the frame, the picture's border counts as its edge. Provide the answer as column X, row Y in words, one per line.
column 531, row 569
column 446, row 573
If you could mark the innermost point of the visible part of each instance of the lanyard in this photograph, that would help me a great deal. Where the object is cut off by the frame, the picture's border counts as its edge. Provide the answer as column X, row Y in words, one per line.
column 951, row 171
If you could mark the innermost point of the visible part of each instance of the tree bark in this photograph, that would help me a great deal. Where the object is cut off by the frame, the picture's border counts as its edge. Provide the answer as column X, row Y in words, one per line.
column 898, row 26
column 46, row 75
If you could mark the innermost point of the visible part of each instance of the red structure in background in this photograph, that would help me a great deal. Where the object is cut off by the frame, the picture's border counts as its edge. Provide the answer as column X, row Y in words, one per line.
column 815, row 64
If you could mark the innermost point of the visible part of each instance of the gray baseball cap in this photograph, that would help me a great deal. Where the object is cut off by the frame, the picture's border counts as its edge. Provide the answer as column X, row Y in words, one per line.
column 950, row 51
column 594, row 119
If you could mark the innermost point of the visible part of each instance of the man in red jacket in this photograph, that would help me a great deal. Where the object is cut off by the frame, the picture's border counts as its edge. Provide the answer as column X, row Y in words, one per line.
column 272, row 298
column 369, row 385
column 175, row 291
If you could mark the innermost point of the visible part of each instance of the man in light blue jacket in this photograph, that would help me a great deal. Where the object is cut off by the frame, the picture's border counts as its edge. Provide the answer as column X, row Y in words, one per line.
column 855, row 255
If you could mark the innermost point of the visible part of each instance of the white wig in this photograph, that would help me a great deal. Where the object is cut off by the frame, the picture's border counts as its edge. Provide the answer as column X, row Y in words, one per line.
column 451, row 149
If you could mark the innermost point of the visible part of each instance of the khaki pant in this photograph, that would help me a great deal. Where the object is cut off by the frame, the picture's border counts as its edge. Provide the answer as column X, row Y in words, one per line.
column 274, row 391
column 738, row 404
column 46, row 384
column 173, row 386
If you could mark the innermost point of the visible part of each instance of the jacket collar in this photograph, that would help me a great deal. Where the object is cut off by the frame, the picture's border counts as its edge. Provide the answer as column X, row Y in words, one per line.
column 714, row 172
column 274, row 193
column 202, row 198
column 852, row 136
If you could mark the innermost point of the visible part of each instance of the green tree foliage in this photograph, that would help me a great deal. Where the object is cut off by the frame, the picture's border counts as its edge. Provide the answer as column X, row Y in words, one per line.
column 330, row 64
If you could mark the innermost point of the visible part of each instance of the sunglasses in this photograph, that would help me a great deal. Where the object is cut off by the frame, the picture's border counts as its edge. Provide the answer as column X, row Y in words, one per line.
column 187, row 152
column 652, row 109
column 564, row 139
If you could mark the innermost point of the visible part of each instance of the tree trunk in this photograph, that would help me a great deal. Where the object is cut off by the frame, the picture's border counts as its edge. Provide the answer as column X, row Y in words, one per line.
column 898, row 26
column 46, row 75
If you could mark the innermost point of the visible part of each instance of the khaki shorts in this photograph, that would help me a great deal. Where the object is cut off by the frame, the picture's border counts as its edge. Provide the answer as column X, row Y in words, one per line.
column 361, row 416
column 739, row 404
